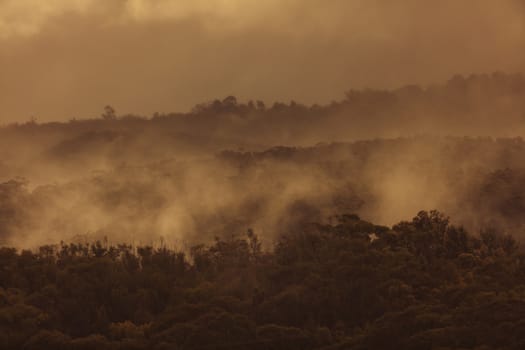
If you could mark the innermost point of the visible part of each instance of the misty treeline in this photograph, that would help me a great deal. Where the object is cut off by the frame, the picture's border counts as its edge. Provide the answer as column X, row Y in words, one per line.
column 478, row 181
column 479, row 104
column 229, row 166
column 421, row 284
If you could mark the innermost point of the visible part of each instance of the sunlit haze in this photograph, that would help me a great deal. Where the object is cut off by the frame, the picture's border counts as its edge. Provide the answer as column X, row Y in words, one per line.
column 61, row 59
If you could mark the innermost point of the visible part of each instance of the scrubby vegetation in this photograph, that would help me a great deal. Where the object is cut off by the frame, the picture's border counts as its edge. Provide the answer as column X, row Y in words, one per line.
column 422, row 284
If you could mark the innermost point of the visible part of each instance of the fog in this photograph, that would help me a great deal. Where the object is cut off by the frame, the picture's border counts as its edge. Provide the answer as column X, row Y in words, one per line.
column 65, row 59
column 231, row 165
column 225, row 116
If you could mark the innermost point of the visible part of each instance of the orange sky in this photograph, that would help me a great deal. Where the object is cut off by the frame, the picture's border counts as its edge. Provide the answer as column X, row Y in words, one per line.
column 68, row 58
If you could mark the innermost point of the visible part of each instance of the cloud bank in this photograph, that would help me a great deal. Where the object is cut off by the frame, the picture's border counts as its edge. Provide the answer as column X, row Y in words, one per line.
column 62, row 59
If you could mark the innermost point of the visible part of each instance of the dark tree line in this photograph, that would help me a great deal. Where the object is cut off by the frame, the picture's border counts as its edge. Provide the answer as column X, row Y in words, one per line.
column 422, row 284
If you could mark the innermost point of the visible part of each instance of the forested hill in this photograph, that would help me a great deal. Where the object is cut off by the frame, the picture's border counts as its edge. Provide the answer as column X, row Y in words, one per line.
column 464, row 105
column 422, row 284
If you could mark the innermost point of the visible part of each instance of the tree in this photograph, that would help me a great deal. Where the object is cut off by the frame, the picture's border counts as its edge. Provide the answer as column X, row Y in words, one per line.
column 109, row 113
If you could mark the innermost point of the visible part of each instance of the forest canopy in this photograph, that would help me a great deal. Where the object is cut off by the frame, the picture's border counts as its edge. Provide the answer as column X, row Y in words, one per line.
column 350, row 285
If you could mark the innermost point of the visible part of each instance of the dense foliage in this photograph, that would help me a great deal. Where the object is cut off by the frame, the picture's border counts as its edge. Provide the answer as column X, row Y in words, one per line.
column 423, row 284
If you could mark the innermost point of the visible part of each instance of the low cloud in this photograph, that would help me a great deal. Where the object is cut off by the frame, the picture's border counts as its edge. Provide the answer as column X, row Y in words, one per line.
column 64, row 59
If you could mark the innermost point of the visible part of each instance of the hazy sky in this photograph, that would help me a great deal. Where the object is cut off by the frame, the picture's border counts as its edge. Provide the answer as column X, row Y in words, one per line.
column 68, row 58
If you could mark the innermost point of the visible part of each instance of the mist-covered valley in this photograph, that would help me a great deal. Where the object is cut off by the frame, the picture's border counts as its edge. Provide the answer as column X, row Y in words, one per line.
column 229, row 166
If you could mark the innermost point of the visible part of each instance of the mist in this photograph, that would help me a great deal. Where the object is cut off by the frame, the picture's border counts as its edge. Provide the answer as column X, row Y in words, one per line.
column 230, row 166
